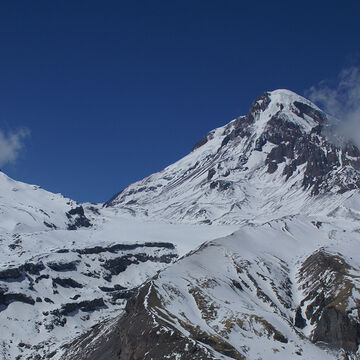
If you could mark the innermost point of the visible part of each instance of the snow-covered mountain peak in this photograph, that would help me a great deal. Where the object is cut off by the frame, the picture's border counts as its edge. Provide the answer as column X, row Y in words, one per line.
column 285, row 96
column 284, row 106
column 26, row 208
column 255, row 165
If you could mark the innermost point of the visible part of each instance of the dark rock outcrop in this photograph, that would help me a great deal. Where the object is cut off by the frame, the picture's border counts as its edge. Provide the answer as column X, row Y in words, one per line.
column 77, row 218
column 7, row 298
column 327, row 300
column 125, row 247
column 63, row 266
column 221, row 185
column 337, row 329
column 200, row 143
column 86, row 306
column 34, row 268
column 15, row 273
column 67, row 282
column 299, row 321
column 132, row 343
column 119, row 264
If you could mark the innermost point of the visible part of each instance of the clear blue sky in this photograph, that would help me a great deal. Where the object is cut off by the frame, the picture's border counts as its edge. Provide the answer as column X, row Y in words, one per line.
column 115, row 90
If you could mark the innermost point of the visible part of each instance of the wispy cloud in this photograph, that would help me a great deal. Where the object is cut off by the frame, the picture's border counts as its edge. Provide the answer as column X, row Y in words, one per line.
column 11, row 144
column 342, row 101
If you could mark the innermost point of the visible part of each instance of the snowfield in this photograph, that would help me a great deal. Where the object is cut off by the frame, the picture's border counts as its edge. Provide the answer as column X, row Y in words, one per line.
column 44, row 269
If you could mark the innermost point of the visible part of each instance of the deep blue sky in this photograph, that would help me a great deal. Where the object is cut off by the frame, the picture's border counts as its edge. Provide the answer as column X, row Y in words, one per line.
column 115, row 90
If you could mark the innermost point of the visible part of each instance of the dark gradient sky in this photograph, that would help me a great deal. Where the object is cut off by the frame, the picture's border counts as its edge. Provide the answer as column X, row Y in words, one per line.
column 115, row 90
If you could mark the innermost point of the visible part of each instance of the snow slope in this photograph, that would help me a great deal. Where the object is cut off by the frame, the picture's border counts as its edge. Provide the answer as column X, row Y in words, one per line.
column 56, row 283
column 26, row 208
column 237, row 298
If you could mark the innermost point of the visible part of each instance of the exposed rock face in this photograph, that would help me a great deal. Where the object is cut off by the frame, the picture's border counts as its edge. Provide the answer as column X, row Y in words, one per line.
column 338, row 329
column 200, row 143
column 86, row 305
column 67, row 282
column 8, row 298
column 63, row 266
column 330, row 305
column 18, row 273
column 121, row 247
column 34, row 268
column 77, row 218
column 119, row 264
column 70, row 288
column 11, row 273
column 295, row 147
column 150, row 343
column 299, row 321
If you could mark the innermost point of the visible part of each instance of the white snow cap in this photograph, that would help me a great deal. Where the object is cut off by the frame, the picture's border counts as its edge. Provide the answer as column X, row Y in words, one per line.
column 285, row 96
column 282, row 103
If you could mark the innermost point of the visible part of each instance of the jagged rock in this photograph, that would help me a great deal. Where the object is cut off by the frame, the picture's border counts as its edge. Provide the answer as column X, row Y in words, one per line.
column 211, row 173
column 124, row 247
column 110, row 289
column 67, row 282
column 41, row 277
column 317, row 115
column 34, row 268
column 50, row 225
column 259, row 104
column 63, row 266
column 12, row 273
column 221, row 185
column 132, row 344
column 86, row 306
column 299, row 321
column 77, row 218
column 337, row 329
column 63, row 251
column 18, row 273
column 118, row 265
column 8, row 298
column 272, row 167
column 327, row 311
column 200, row 143
column 122, row 294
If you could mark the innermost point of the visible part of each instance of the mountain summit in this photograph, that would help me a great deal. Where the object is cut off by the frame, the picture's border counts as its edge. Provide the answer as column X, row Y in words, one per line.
column 274, row 160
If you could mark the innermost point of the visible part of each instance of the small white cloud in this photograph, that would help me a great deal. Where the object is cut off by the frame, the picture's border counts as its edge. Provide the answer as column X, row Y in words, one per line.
column 341, row 101
column 10, row 144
